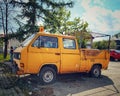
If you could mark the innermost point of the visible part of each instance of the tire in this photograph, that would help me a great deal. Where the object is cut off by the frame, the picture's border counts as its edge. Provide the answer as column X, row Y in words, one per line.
column 47, row 75
column 95, row 71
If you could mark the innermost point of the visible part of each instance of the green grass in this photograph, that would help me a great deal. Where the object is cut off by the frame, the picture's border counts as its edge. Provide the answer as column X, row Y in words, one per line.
column 2, row 58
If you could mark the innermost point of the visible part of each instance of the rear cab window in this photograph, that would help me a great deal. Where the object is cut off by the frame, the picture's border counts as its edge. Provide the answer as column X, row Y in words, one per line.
column 69, row 43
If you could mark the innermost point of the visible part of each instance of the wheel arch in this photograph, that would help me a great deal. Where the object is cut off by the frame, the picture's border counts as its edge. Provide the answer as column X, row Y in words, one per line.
column 49, row 65
column 97, row 64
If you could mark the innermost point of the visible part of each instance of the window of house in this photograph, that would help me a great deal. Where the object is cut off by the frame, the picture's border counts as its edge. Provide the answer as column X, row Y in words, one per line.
column 69, row 43
column 46, row 42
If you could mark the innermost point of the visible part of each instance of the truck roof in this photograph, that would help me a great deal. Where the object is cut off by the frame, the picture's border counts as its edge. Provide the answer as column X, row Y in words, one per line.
column 56, row 35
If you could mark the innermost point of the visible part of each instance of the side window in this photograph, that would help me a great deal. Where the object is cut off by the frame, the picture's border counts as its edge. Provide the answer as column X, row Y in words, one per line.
column 46, row 42
column 36, row 43
column 69, row 43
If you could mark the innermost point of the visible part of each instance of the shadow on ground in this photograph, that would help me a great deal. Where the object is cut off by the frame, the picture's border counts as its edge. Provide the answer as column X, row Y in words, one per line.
column 65, row 84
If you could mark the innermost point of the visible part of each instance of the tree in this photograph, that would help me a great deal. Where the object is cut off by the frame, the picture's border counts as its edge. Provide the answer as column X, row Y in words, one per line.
column 4, row 22
column 7, row 24
column 112, row 44
column 1, row 42
column 35, row 10
column 62, row 16
column 104, row 44
column 78, row 27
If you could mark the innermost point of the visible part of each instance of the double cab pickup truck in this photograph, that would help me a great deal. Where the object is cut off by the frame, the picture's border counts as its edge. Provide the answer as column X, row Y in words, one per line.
column 47, row 55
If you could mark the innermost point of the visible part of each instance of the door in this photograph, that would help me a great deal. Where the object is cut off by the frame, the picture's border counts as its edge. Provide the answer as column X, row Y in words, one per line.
column 43, row 50
column 70, row 56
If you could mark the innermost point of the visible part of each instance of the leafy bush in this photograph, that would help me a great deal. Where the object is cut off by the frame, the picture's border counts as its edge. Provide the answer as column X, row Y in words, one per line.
column 2, row 59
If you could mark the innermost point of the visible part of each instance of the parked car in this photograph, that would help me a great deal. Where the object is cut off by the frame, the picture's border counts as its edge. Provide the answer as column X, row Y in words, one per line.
column 114, row 55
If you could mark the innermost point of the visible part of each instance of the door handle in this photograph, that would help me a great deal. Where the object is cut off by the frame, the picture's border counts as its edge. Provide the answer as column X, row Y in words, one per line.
column 57, row 53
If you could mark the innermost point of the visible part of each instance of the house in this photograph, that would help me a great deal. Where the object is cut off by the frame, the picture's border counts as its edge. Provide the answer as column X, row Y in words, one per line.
column 117, row 44
column 12, row 42
column 116, row 38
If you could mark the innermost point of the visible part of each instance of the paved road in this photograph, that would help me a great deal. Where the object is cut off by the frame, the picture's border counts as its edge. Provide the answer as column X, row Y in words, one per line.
column 69, row 85
column 76, row 85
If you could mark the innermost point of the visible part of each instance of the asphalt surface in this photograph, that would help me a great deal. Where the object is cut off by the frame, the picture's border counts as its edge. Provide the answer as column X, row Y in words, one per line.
column 83, row 85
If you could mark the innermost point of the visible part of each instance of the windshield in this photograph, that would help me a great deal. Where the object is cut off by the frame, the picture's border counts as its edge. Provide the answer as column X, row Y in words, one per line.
column 27, row 41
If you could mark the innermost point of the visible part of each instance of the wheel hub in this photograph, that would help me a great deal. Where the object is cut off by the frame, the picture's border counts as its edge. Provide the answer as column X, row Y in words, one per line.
column 48, row 76
column 96, row 72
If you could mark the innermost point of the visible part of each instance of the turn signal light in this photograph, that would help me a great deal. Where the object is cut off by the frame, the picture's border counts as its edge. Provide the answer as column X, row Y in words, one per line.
column 22, row 65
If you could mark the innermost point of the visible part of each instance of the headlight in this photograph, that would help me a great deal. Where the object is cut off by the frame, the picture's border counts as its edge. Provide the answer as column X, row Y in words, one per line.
column 17, row 55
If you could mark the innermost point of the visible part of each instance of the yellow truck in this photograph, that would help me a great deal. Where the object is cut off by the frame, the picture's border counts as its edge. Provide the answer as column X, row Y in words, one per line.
column 47, row 55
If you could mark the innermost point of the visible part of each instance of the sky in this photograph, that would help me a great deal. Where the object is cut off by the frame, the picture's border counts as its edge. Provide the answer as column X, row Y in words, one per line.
column 103, row 16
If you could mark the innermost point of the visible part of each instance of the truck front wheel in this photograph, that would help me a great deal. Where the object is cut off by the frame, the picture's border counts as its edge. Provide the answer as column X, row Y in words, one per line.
column 47, row 75
column 95, row 71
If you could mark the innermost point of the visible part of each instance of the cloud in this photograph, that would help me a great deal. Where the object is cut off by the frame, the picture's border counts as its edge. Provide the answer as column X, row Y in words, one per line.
column 98, row 2
column 99, row 18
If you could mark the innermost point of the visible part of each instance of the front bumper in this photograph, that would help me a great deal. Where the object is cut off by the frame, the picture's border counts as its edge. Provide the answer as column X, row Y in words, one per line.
column 16, row 69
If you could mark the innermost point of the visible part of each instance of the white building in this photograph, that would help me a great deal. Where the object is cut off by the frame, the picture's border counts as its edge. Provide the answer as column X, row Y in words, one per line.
column 116, row 38
column 12, row 42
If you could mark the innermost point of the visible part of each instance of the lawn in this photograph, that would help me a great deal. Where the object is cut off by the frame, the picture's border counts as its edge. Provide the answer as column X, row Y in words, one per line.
column 2, row 59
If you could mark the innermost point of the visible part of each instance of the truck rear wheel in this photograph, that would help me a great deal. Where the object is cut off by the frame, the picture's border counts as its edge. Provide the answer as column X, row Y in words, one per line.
column 95, row 71
column 47, row 75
